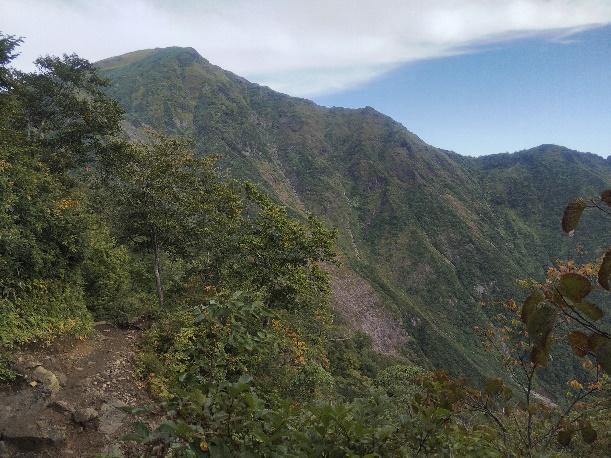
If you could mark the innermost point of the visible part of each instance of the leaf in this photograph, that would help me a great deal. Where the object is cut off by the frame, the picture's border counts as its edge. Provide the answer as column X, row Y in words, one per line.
column 539, row 355
column 592, row 311
column 580, row 343
column 494, row 386
column 535, row 298
column 574, row 286
column 603, row 355
column 507, row 393
column 604, row 273
column 605, row 196
column 596, row 340
column 588, row 433
column 564, row 437
column 540, row 323
column 539, row 327
column 572, row 214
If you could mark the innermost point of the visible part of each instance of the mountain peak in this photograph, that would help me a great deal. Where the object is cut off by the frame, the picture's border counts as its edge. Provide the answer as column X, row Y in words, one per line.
column 183, row 55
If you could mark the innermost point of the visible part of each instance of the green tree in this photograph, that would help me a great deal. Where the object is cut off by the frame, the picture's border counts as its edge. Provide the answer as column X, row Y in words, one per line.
column 53, row 122
column 163, row 199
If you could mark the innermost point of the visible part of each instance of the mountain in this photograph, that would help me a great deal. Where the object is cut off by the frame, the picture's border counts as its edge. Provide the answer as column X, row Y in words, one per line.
column 426, row 235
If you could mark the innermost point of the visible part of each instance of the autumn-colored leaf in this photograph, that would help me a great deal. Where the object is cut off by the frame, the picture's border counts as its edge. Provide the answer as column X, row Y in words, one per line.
column 579, row 343
column 564, row 437
column 603, row 355
column 604, row 273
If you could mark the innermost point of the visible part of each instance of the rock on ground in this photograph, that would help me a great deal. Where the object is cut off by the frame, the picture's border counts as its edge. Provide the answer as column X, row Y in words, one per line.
column 48, row 414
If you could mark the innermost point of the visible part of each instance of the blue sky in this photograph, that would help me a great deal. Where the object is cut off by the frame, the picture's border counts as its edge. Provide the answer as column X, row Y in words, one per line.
column 502, row 97
column 473, row 76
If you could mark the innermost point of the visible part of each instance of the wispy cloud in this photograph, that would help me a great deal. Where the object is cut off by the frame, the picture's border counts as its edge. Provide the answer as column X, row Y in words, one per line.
column 299, row 47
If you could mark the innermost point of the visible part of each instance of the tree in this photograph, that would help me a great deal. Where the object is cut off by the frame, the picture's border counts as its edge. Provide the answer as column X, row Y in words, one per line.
column 166, row 200
column 560, row 308
column 57, row 257
column 66, row 112
column 8, row 45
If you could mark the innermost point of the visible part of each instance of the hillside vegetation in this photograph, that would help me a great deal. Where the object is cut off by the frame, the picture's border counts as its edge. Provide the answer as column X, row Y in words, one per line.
column 434, row 234
column 307, row 276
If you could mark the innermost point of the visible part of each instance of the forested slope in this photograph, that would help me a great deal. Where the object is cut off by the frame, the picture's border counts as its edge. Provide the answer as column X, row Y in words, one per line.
column 433, row 233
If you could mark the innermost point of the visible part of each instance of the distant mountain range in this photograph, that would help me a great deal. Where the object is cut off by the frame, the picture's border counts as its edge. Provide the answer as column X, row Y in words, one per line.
column 426, row 235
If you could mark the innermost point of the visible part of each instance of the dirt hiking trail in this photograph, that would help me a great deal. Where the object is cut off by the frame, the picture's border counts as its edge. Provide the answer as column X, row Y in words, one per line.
column 69, row 399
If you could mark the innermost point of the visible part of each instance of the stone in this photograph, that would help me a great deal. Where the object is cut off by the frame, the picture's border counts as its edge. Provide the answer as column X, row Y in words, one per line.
column 34, row 436
column 84, row 416
column 111, row 417
column 62, row 407
column 32, row 364
column 47, row 378
column 62, row 378
column 4, row 450
column 113, row 451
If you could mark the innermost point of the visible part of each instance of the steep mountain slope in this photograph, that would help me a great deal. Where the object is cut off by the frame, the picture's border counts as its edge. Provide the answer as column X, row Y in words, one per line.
column 426, row 234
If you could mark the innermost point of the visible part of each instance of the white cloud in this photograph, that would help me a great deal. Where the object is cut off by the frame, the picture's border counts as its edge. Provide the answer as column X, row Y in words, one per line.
column 300, row 47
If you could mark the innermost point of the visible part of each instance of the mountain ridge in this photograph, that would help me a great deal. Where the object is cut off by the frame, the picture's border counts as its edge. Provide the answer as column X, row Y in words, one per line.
column 109, row 63
column 431, row 232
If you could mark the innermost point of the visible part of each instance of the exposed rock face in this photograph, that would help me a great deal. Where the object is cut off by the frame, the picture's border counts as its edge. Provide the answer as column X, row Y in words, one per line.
column 359, row 305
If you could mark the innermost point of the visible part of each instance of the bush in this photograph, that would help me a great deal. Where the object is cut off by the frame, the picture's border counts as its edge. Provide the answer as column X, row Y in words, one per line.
column 108, row 271
column 46, row 311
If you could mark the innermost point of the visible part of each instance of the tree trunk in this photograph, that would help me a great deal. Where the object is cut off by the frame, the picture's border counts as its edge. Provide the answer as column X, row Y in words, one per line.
column 157, row 269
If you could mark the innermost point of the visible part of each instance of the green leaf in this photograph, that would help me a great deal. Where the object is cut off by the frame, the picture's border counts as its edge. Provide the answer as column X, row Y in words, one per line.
column 574, row 286
column 572, row 214
column 580, row 343
column 535, row 298
column 539, row 327
column 604, row 273
column 592, row 311
column 605, row 196
column 564, row 437
column 183, row 430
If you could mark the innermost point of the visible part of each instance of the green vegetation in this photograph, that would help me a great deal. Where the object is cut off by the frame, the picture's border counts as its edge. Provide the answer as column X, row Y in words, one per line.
column 435, row 234
column 244, row 355
column 52, row 122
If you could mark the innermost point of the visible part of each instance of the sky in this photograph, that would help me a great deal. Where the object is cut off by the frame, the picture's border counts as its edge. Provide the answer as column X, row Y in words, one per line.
column 473, row 76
